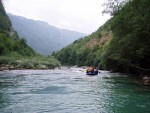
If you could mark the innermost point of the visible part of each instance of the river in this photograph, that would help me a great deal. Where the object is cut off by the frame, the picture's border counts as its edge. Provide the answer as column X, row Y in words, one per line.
column 69, row 90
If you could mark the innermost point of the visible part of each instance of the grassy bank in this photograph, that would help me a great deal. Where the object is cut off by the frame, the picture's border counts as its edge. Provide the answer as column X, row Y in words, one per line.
column 36, row 62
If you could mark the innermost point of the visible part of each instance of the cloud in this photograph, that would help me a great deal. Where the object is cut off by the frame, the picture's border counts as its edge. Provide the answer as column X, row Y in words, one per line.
column 78, row 15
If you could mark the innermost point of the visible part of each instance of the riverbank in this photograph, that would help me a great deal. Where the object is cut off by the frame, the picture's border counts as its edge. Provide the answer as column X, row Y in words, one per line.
column 37, row 62
column 23, row 66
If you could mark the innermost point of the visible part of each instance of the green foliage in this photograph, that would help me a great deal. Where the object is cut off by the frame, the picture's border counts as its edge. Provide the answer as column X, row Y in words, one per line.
column 9, row 40
column 4, row 21
column 10, row 44
column 131, row 42
column 5, row 60
column 114, row 6
column 36, row 62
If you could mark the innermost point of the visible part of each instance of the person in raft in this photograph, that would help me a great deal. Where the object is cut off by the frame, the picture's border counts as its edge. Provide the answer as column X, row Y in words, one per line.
column 92, row 70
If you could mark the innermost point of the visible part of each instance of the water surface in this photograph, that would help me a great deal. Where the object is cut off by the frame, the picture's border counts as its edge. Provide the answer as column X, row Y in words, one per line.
column 71, row 91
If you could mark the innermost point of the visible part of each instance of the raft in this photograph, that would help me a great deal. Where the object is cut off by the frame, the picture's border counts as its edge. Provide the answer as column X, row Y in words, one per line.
column 92, row 73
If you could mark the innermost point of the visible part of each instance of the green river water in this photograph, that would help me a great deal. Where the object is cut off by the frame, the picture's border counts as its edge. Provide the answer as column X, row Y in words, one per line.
column 71, row 91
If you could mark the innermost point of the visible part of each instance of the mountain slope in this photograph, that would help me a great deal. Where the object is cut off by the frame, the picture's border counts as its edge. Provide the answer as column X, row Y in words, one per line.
column 121, row 45
column 15, row 53
column 41, row 36
column 10, row 43
column 88, row 50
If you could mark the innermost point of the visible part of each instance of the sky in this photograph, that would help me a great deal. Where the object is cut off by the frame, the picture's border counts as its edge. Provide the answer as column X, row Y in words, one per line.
column 84, row 16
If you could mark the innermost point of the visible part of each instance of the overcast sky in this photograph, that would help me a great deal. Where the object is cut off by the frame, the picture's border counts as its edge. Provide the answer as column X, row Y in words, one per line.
column 78, row 15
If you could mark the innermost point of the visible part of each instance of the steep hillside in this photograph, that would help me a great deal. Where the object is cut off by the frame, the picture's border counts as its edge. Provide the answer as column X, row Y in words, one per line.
column 10, row 43
column 129, row 50
column 88, row 50
column 41, row 36
column 122, row 44
column 15, row 53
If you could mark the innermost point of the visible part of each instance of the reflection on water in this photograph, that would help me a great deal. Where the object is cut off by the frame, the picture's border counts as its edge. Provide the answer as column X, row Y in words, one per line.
column 71, row 91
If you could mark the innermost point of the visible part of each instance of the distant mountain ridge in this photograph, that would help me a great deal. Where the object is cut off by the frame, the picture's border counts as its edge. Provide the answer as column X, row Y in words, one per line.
column 41, row 36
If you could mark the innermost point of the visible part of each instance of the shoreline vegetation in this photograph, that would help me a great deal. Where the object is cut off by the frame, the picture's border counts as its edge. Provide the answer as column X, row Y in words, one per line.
column 38, row 62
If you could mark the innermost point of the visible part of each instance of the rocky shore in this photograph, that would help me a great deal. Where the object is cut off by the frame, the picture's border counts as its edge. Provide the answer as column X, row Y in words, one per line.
column 146, row 80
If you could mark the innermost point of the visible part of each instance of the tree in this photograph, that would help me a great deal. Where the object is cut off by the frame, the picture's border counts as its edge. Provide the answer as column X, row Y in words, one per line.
column 129, row 50
column 112, row 7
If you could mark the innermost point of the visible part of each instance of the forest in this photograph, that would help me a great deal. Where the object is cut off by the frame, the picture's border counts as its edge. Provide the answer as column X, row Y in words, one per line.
column 122, row 44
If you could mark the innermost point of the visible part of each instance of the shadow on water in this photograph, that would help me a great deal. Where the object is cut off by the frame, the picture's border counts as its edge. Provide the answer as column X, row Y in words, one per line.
column 7, row 82
column 50, row 90
column 128, row 95
column 4, row 100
